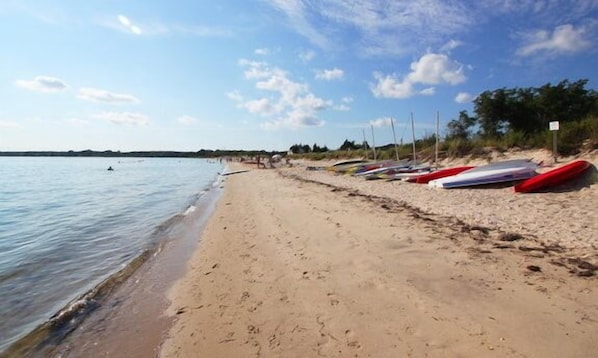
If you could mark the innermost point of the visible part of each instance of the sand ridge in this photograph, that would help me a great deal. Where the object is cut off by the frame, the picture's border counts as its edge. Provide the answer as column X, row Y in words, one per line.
column 301, row 264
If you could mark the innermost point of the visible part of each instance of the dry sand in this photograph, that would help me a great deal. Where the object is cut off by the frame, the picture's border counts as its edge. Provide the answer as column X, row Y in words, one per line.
column 297, row 263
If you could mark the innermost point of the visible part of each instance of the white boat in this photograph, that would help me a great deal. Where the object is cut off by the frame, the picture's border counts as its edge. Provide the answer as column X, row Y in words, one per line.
column 390, row 167
column 499, row 172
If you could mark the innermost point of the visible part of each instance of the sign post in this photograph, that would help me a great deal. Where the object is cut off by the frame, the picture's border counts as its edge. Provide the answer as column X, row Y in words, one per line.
column 554, row 127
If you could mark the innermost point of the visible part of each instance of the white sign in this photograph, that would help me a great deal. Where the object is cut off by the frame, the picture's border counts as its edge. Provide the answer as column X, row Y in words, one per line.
column 553, row 126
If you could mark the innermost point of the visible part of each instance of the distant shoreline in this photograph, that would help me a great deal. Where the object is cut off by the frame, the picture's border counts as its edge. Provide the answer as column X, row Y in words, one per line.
column 203, row 153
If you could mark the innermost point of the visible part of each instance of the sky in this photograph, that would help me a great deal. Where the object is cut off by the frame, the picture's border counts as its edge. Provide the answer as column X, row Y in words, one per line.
column 186, row 75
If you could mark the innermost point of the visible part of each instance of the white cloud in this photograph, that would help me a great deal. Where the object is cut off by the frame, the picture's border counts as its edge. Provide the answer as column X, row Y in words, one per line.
column 296, row 118
column 187, row 120
column 306, row 55
column 379, row 27
column 292, row 105
column 347, row 99
column 564, row 39
column 260, row 106
column 298, row 17
column 127, row 24
column 235, row 96
column 342, row 107
column 428, row 91
column 98, row 95
column 381, row 122
column 390, row 86
column 43, row 84
column 433, row 69
column 262, row 51
column 329, row 75
column 430, row 69
column 451, row 45
column 130, row 118
column 148, row 28
column 398, row 28
column 464, row 97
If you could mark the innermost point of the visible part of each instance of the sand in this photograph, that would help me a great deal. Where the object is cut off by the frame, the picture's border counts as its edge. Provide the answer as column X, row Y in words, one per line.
column 298, row 263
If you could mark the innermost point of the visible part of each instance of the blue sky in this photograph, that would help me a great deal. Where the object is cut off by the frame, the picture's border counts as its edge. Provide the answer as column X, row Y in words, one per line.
column 266, row 74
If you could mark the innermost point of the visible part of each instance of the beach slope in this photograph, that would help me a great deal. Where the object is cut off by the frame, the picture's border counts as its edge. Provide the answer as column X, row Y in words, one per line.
column 292, row 267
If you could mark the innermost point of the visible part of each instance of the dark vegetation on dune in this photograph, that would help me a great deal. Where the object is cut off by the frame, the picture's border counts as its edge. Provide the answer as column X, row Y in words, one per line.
column 503, row 119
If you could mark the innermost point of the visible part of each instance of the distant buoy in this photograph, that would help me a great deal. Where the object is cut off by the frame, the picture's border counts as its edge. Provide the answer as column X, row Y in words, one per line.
column 110, row 168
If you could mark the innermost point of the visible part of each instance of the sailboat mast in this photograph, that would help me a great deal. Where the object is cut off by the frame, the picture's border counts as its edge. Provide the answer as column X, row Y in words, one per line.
column 437, row 138
column 392, row 124
column 373, row 141
column 365, row 144
column 413, row 137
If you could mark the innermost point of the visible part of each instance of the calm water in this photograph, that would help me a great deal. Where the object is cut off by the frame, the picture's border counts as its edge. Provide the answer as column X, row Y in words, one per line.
column 66, row 224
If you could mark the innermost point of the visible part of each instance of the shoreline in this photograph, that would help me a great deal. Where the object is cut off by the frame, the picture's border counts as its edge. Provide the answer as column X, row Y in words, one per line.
column 118, row 315
column 304, row 263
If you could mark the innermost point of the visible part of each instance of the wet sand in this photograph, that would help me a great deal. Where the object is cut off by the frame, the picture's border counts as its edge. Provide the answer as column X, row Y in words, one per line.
column 295, row 263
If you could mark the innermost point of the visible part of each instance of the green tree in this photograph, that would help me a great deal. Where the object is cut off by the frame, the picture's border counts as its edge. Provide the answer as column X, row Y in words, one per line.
column 349, row 145
column 461, row 128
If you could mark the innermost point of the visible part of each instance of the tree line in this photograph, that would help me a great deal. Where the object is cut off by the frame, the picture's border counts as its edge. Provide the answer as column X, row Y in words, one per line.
column 517, row 117
column 527, row 111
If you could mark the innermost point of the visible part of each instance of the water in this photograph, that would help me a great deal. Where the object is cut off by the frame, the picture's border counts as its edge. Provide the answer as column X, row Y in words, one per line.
column 67, row 224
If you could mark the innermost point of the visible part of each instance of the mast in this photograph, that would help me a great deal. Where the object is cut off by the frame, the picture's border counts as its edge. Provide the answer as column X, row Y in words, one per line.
column 392, row 124
column 373, row 141
column 365, row 143
column 437, row 138
column 413, row 137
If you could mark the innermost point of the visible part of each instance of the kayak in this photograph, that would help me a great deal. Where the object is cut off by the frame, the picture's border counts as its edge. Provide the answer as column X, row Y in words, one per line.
column 499, row 172
column 553, row 177
column 424, row 179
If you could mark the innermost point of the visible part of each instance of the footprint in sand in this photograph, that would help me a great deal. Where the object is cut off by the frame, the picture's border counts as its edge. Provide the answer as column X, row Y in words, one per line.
column 333, row 300
column 351, row 340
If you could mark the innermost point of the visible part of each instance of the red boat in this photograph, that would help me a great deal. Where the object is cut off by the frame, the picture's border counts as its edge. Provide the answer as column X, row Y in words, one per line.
column 553, row 177
column 423, row 179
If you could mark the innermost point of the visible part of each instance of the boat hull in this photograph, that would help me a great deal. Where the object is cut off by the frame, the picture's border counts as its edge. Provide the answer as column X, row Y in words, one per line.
column 484, row 177
column 553, row 177
column 442, row 173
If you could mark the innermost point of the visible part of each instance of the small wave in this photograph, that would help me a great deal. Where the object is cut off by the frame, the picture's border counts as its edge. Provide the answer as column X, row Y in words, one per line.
column 70, row 317
column 189, row 210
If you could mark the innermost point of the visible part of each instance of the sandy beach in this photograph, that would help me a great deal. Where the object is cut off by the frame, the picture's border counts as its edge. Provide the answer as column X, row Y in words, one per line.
column 299, row 263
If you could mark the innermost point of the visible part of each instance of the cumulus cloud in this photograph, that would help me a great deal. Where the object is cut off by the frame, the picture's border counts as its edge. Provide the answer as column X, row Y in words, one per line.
column 562, row 40
column 261, row 106
column 290, row 104
column 128, row 25
column 328, row 75
column 381, row 122
column 464, row 97
column 390, row 86
column 262, row 51
column 129, row 118
column 430, row 69
column 98, row 95
column 347, row 99
column 433, row 69
column 43, row 84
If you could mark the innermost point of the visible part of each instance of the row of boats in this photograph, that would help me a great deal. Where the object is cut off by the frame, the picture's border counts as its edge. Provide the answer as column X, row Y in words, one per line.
column 522, row 172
